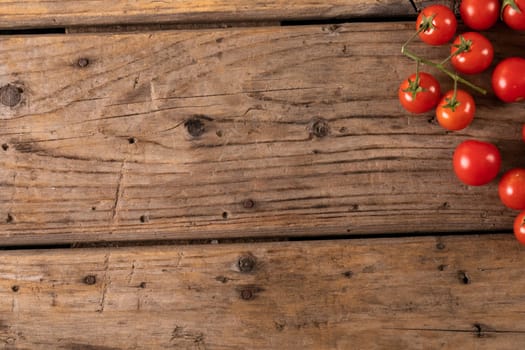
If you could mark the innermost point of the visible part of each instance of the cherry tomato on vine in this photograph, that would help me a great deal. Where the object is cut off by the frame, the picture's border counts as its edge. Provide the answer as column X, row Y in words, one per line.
column 513, row 13
column 511, row 189
column 476, row 163
column 508, row 79
column 472, row 53
column 519, row 227
column 419, row 95
column 455, row 113
column 437, row 24
column 479, row 14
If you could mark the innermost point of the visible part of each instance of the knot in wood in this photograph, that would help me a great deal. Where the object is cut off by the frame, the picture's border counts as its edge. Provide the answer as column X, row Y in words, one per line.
column 246, row 263
column 320, row 128
column 195, row 126
column 90, row 280
column 10, row 95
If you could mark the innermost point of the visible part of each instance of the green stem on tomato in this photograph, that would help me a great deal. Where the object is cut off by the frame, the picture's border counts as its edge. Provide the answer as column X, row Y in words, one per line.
column 455, row 90
column 439, row 66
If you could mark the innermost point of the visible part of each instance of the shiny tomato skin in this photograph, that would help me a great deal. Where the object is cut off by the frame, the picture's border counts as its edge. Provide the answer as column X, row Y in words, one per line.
column 511, row 189
column 508, row 79
column 444, row 24
column 519, row 227
column 425, row 100
column 477, row 58
column 513, row 18
column 476, row 163
column 479, row 14
column 457, row 118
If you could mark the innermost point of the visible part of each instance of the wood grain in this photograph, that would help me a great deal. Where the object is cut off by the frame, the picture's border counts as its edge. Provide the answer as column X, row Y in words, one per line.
column 463, row 292
column 52, row 13
column 296, row 131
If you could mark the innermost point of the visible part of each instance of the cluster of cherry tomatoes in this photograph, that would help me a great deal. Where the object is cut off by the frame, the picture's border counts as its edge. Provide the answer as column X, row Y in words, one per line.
column 475, row 163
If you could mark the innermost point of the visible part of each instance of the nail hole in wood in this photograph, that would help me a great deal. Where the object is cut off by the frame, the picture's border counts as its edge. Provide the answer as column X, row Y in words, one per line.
column 90, row 280
column 248, row 203
column 224, row 215
column 320, row 128
column 144, row 219
column 142, row 285
column 218, row 133
column 246, row 294
column 10, row 218
column 194, row 126
column 463, row 277
column 83, row 62
column 5, row 146
column 348, row 274
column 93, row 208
column 440, row 246
column 132, row 140
column 246, row 263
column 442, row 267
column 15, row 288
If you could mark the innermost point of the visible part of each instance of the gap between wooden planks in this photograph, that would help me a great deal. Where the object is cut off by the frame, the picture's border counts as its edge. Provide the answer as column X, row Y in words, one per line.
column 254, row 132
column 463, row 292
column 45, row 13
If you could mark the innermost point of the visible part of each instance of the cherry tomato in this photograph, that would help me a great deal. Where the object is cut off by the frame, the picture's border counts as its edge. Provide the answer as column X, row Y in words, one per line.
column 511, row 189
column 438, row 24
column 455, row 114
column 419, row 95
column 479, row 14
column 513, row 13
column 508, row 79
column 476, row 163
column 472, row 53
column 519, row 227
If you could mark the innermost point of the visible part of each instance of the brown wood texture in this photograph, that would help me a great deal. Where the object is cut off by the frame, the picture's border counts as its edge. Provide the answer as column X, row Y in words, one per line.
column 51, row 13
column 461, row 292
column 296, row 131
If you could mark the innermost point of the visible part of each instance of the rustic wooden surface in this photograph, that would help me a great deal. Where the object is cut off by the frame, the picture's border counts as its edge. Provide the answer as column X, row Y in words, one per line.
column 463, row 292
column 296, row 131
column 51, row 13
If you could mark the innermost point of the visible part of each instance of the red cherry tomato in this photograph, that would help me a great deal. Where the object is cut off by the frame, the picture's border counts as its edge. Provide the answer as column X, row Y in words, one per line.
column 419, row 96
column 508, row 79
column 455, row 114
column 472, row 53
column 476, row 163
column 438, row 24
column 479, row 14
column 519, row 227
column 511, row 189
column 513, row 13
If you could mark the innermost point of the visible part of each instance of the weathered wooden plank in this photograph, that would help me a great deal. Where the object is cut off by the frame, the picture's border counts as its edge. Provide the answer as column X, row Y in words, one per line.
column 295, row 131
column 51, row 13
column 463, row 292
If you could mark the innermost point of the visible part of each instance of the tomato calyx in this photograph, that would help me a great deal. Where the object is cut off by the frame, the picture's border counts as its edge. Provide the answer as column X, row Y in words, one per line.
column 452, row 103
column 414, row 87
column 427, row 23
column 464, row 45
column 511, row 3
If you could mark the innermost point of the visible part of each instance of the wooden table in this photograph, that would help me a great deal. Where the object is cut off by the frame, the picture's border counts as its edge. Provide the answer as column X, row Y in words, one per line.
column 240, row 175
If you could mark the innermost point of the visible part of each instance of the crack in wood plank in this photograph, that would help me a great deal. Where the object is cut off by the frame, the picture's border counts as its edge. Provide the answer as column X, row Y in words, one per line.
column 106, row 280
column 118, row 194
